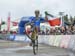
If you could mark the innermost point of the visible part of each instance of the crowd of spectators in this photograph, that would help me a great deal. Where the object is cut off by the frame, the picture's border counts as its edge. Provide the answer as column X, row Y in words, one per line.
column 6, row 32
column 65, row 30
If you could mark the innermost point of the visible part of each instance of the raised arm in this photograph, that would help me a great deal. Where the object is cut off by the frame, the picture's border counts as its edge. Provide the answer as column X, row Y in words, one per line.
column 46, row 18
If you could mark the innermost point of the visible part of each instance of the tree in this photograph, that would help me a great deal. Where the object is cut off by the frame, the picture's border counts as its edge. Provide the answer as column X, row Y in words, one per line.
column 74, row 17
column 2, row 24
column 74, row 21
column 71, row 20
column 66, row 18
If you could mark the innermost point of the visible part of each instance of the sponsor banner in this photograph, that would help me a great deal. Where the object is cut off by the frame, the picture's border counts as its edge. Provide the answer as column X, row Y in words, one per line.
column 51, row 39
column 11, row 37
column 43, row 39
column 74, row 46
column 72, row 42
column 39, row 39
column 27, row 39
column 57, row 40
column 46, row 39
column 65, row 41
column 21, row 38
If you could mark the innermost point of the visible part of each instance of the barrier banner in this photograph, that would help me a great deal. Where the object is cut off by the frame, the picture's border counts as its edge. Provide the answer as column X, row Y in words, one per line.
column 21, row 38
column 74, row 46
column 51, row 39
column 11, row 37
column 65, row 41
column 57, row 40
column 27, row 39
column 46, row 39
column 72, row 42
column 41, row 38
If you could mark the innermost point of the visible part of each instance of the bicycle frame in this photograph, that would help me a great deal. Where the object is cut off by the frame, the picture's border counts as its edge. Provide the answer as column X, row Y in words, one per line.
column 35, row 40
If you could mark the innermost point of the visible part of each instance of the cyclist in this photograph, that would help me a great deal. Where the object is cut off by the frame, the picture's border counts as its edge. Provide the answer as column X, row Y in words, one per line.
column 35, row 27
column 36, row 20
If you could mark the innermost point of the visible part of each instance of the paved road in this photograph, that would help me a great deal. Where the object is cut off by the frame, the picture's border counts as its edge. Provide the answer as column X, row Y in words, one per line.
column 44, row 50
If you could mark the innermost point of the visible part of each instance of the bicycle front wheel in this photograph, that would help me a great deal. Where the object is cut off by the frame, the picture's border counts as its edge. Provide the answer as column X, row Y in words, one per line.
column 35, row 47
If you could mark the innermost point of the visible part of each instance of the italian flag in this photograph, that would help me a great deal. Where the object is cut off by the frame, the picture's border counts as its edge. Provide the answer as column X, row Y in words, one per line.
column 54, row 21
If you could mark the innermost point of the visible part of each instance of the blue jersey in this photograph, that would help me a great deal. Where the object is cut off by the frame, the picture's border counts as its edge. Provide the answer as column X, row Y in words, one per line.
column 37, row 21
column 25, row 20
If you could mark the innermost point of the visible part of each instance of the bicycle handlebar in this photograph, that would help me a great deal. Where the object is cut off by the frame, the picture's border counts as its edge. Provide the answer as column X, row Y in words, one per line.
column 30, row 23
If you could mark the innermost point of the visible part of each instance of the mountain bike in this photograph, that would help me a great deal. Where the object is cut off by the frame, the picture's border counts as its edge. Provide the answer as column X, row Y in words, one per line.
column 34, row 39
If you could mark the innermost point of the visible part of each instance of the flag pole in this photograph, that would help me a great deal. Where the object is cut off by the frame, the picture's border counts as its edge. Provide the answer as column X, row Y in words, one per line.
column 62, row 19
column 8, row 21
column 0, row 23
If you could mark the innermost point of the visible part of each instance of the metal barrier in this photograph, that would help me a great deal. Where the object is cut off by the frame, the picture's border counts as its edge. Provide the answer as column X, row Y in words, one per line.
column 4, row 36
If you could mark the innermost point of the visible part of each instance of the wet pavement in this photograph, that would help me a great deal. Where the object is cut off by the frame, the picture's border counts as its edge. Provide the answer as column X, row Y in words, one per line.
column 26, row 50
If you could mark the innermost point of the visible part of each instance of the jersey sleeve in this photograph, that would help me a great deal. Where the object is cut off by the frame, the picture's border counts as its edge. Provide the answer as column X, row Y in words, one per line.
column 31, row 19
column 42, row 20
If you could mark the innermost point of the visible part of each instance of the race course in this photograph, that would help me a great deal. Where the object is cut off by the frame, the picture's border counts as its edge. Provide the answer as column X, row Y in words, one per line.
column 23, row 49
